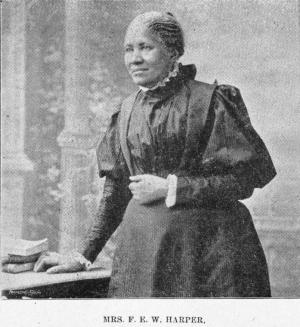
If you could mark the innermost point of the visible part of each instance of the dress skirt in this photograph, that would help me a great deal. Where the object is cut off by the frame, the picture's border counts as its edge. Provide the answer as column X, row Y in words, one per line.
column 188, row 251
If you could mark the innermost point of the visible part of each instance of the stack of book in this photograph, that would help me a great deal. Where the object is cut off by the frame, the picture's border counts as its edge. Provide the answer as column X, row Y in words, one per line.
column 21, row 255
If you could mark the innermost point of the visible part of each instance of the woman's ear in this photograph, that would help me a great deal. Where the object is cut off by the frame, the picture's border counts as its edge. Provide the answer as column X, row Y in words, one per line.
column 174, row 55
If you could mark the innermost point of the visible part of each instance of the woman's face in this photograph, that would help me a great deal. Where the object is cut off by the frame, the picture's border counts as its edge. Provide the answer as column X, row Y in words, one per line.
column 146, row 59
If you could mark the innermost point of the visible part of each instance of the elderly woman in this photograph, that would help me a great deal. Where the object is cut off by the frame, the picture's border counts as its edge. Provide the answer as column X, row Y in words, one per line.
column 178, row 156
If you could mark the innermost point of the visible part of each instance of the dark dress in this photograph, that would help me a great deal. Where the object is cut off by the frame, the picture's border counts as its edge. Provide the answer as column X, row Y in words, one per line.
column 206, row 245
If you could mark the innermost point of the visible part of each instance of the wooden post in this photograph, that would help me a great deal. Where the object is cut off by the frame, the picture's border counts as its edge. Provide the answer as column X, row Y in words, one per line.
column 76, row 139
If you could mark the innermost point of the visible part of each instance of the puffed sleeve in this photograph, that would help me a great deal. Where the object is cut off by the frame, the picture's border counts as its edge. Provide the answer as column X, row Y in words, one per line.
column 116, row 194
column 235, row 160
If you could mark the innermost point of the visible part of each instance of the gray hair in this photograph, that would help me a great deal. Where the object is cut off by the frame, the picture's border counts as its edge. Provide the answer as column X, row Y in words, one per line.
column 165, row 27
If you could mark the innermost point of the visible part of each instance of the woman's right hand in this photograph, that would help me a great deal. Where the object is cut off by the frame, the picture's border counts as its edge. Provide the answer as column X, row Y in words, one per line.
column 53, row 263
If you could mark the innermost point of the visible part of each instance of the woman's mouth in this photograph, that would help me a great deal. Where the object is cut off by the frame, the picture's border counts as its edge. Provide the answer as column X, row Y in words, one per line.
column 138, row 71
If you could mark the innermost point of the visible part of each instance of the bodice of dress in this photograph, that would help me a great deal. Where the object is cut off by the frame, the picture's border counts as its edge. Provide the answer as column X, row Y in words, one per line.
column 157, row 129
column 156, row 135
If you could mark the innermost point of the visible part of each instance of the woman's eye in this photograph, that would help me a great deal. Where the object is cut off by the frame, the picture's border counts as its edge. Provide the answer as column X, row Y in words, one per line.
column 128, row 49
column 146, row 47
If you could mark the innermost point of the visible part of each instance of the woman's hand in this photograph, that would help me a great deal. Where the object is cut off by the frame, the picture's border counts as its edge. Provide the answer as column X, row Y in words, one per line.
column 55, row 263
column 147, row 188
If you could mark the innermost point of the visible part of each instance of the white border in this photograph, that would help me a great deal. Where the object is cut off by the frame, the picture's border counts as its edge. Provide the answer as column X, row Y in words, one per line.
column 215, row 313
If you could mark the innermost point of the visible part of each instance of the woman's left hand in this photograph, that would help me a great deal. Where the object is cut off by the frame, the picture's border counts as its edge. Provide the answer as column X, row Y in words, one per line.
column 147, row 188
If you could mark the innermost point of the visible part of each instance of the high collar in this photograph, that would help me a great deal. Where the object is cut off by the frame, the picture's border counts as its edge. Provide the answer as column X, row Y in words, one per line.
column 172, row 83
column 172, row 73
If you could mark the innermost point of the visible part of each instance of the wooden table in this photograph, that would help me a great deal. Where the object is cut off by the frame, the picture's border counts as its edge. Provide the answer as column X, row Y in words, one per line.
column 85, row 284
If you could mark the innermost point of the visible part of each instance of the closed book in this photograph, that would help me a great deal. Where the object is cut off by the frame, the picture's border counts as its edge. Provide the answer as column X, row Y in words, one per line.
column 15, row 268
column 11, row 258
column 24, row 247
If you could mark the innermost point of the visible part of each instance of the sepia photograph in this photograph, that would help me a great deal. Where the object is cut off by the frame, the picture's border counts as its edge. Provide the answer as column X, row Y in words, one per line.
column 150, row 153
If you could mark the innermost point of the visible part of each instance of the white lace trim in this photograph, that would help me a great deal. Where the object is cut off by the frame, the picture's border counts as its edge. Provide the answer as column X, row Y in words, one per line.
column 163, row 83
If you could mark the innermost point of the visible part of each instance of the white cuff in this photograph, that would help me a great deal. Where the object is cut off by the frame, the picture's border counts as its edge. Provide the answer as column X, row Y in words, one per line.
column 172, row 188
column 86, row 264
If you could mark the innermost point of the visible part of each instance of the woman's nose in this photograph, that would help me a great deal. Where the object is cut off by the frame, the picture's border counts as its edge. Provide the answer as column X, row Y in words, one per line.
column 136, row 57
